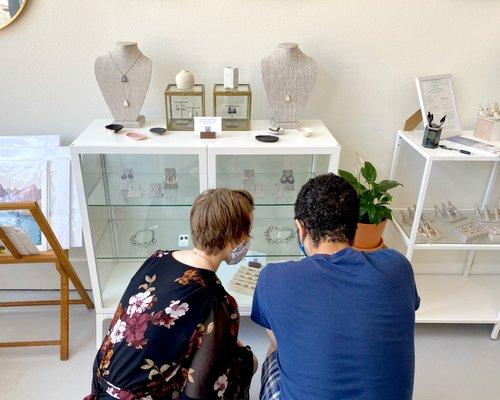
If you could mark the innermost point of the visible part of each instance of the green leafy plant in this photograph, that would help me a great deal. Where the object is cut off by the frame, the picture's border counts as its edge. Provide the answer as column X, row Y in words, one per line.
column 374, row 196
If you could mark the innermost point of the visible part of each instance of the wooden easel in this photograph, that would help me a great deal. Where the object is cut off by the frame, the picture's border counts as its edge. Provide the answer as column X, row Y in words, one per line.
column 59, row 257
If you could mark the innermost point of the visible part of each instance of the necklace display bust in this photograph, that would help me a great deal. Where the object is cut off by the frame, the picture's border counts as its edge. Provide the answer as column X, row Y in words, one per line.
column 123, row 76
column 289, row 76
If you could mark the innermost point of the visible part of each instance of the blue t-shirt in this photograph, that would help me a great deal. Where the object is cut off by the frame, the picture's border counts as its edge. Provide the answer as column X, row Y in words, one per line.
column 344, row 325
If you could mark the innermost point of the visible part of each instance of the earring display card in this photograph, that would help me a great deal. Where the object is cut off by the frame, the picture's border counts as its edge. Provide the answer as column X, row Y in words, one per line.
column 155, row 191
column 134, row 191
column 470, row 232
column 126, row 178
column 448, row 213
column 249, row 180
column 183, row 240
column 288, row 180
column 245, row 279
column 170, row 179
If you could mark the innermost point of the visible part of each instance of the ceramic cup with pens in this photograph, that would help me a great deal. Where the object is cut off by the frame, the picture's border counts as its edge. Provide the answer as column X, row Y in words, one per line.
column 432, row 133
column 432, row 136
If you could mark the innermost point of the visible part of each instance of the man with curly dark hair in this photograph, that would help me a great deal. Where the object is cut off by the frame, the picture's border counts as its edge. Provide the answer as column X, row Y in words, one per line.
column 341, row 321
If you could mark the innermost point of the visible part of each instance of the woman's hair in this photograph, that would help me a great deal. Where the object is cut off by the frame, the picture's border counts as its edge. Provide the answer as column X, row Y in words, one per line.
column 219, row 217
column 328, row 207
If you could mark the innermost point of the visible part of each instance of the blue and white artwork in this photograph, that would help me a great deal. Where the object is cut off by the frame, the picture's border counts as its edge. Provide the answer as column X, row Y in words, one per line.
column 23, row 181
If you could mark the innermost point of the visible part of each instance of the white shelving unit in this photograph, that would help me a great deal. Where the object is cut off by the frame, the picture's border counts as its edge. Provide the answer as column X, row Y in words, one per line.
column 110, row 217
column 461, row 298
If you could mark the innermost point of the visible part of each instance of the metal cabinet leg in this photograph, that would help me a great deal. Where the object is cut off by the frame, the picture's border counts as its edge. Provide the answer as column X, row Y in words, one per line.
column 99, row 326
column 419, row 208
column 496, row 329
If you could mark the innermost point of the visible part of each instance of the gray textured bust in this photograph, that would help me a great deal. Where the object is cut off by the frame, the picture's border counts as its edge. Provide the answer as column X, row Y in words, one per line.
column 289, row 76
column 123, row 76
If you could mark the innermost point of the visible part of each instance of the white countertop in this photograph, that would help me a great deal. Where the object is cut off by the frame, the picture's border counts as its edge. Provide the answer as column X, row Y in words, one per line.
column 95, row 139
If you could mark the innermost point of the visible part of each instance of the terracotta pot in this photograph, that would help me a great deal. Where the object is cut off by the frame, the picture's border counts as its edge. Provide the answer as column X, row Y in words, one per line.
column 369, row 236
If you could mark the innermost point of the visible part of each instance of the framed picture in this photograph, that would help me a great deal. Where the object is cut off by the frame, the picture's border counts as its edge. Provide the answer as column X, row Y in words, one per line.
column 435, row 94
column 24, row 181
column 28, row 141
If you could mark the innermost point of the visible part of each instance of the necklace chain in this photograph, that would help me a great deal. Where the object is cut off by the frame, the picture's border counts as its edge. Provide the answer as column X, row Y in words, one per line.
column 124, row 78
column 124, row 74
column 195, row 252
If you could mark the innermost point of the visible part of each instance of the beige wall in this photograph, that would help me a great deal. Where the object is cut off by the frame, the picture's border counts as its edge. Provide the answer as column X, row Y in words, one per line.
column 368, row 54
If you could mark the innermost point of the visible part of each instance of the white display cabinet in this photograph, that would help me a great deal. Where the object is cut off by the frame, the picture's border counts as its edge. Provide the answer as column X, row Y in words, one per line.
column 447, row 298
column 112, row 213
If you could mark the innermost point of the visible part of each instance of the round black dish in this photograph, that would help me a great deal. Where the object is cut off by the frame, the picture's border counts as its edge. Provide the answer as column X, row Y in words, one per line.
column 114, row 127
column 158, row 131
column 267, row 138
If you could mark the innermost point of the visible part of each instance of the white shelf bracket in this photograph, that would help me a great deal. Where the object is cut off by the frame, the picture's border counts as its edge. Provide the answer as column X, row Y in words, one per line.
column 496, row 328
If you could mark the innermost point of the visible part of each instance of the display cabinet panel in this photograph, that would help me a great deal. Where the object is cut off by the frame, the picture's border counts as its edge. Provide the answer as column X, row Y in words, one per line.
column 136, row 180
column 271, row 179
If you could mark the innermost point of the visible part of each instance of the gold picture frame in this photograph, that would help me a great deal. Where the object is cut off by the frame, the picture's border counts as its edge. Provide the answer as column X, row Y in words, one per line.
column 17, row 14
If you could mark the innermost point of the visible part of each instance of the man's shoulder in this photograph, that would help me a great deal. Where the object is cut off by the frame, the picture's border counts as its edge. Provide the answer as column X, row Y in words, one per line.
column 282, row 267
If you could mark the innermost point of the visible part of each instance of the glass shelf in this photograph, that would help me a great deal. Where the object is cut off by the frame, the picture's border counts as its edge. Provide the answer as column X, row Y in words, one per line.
column 113, row 242
column 449, row 236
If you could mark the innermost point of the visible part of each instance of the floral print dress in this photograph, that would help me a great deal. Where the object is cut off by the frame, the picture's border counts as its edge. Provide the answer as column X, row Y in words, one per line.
column 173, row 336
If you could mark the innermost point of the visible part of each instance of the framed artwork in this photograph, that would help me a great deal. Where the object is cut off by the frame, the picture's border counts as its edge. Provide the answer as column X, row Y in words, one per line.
column 24, row 181
column 435, row 94
column 63, row 211
column 28, row 141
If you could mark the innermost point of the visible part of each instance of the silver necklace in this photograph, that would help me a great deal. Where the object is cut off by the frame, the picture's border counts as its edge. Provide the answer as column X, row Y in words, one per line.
column 125, row 97
column 288, row 99
column 205, row 258
column 146, row 243
column 124, row 74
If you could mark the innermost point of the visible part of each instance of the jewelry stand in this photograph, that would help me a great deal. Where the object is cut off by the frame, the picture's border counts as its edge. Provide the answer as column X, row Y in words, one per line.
column 59, row 257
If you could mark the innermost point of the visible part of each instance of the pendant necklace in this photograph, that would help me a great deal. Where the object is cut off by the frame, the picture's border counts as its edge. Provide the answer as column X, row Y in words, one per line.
column 124, row 74
column 205, row 258
column 288, row 99
column 125, row 97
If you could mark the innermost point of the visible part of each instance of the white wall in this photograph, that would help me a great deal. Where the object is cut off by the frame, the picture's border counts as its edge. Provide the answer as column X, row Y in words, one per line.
column 368, row 54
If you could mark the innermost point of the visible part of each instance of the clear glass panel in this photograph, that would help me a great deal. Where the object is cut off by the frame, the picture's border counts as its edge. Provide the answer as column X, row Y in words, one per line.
column 271, row 179
column 136, row 204
column 138, row 180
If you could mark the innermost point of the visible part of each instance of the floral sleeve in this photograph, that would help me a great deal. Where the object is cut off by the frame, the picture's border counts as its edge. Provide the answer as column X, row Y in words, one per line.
column 220, row 369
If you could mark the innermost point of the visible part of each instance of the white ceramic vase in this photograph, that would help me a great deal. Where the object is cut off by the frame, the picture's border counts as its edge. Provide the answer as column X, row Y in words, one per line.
column 184, row 80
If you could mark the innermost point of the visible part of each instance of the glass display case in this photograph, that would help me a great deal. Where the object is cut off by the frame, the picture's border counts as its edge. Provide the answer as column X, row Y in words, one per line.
column 234, row 106
column 135, row 198
column 181, row 106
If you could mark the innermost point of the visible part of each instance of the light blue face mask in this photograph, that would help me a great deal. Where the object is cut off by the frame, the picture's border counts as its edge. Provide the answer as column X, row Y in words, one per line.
column 301, row 246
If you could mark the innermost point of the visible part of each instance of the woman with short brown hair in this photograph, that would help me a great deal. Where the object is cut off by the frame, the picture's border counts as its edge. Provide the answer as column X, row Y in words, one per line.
column 175, row 332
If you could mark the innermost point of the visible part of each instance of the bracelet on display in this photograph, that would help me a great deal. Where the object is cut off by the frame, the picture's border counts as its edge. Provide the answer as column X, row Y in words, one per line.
column 275, row 235
column 147, row 243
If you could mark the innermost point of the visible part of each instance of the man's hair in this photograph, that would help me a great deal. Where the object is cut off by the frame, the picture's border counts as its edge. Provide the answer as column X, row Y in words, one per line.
column 219, row 217
column 328, row 207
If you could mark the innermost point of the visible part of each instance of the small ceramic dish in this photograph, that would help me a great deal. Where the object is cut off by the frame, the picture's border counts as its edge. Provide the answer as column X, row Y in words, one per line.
column 267, row 138
column 277, row 130
column 114, row 128
column 305, row 132
column 158, row 131
column 136, row 136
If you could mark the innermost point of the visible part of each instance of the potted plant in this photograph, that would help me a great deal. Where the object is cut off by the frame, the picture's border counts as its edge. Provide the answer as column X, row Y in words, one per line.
column 373, row 209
